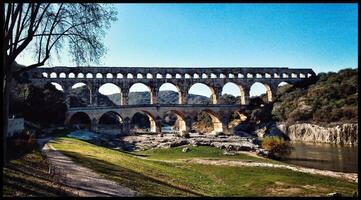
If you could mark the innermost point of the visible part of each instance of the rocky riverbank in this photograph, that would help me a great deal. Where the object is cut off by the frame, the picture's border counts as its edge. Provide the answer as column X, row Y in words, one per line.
column 232, row 142
column 147, row 141
column 346, row 134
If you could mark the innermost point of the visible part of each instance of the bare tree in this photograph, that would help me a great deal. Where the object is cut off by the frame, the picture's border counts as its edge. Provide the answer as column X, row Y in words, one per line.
column 43, row 29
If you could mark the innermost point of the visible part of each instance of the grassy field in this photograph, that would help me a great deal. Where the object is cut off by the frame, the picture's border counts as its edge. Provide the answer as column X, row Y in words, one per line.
column 158, row 178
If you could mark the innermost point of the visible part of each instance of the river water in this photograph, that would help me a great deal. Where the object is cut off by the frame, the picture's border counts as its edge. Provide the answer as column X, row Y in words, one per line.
column 324, row 156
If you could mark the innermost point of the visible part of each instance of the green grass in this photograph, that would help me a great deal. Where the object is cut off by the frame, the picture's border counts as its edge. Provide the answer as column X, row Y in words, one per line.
column 204, row 152
column 157, row 178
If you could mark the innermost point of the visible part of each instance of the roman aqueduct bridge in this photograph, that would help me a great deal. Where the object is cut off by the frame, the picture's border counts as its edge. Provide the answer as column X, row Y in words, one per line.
column 154, row 77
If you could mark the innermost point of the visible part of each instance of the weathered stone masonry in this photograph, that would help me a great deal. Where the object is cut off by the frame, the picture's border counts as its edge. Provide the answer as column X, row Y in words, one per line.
column 154, row 77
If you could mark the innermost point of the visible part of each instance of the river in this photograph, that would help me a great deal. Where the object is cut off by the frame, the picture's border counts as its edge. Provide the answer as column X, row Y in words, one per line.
column 324, row 156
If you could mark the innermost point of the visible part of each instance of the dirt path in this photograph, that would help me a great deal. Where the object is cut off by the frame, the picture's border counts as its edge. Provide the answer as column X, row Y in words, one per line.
column 347, row 176
column 86, row 182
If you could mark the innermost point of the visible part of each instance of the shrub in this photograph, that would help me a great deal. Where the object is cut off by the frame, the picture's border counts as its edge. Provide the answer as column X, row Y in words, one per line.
column 277, row 147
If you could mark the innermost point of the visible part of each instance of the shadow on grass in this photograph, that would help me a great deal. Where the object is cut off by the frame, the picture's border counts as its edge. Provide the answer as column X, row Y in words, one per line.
column 146, row 185
column 33, row 186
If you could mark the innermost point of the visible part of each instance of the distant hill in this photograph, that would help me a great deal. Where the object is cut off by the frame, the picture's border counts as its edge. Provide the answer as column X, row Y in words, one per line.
column 333, row 98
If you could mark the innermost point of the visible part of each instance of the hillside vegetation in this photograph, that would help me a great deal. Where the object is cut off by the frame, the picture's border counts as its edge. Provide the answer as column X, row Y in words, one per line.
column 333, row 98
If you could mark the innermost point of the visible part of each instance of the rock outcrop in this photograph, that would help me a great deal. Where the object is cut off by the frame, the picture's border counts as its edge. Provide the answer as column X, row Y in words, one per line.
column 231, row 143
column 334, row 134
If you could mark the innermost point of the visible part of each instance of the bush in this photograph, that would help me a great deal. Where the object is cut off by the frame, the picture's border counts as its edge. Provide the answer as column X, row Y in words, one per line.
column 277, row 147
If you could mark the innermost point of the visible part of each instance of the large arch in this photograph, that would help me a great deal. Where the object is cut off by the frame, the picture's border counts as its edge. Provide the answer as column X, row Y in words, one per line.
column 206, row 118
column 110, row 120
column 113, row 92
column 178, row 124
column 259, row 89
column 236, row 91
column 80, row 120
column 139, row 123
column 206, row 94
column 139, row 93
column 168, row 96
column 80, row 95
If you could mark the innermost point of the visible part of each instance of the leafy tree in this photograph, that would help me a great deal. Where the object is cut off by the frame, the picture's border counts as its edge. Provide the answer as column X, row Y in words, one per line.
column 44, row 29
column 277, row 147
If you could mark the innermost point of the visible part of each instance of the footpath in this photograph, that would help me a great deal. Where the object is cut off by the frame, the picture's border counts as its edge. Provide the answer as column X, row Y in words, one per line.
column 84, row 181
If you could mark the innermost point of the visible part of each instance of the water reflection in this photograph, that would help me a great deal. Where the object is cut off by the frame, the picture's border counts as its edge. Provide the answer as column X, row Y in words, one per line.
column 324, row 156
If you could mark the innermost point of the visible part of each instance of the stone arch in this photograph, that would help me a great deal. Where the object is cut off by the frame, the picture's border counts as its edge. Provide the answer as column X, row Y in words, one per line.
column 171, row 87
column 234, row 87
column 221, row 75
column 180, row 124
column 44, row 74
column 256, row 87
column 77, row 100
column 79, row 120
column 258, row 75
column 110, row 120
column 202, row 86
column 139, row 87
column 213, row 75
column 57, row 86
column 267, row 75
column 53, row 75
column 178, row 76
column 240, row 75
column 98, row 75
column 204, row 75
column 195, row 76
column 120, row 75
column 151, row 118
column 115, row 91
column 168, row 76
column 187, row 75
column 80, row 75
column 216, row 124
column 130, row 75
column 109, row 75
column 158, row 76
column 249, row 75
column 149, row 76
column 62, row 75
column 284, row 75
column 71, row 75
column 230, row 75
column 89, row 75
column 139, row 75
column 276, row 75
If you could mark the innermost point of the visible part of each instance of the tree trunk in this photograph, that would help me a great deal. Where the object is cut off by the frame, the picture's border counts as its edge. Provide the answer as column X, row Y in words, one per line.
column 6, row 96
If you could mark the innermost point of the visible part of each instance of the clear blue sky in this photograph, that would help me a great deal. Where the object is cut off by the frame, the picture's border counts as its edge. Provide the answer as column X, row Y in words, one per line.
column 318, row 36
